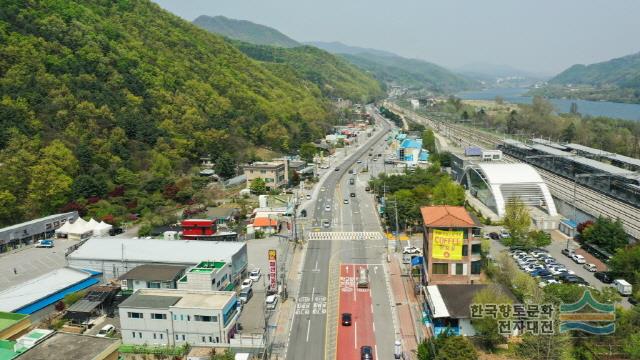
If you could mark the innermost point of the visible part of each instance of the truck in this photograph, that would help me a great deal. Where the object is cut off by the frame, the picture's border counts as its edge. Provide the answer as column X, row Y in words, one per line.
column 48, row 243
column 623, row 287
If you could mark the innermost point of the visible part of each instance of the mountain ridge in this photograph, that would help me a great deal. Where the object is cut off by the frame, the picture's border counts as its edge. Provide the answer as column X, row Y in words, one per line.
column 245, row 30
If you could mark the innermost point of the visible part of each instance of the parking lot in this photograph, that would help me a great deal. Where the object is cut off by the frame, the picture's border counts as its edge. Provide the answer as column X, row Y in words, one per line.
column 31, row 262
column 252, row 318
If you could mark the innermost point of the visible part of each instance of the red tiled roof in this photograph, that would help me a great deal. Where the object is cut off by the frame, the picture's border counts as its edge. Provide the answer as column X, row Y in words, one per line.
column 446, row 216
column 264, row 222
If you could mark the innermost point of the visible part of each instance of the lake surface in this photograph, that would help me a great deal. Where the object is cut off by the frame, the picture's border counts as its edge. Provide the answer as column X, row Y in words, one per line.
column 593, row 108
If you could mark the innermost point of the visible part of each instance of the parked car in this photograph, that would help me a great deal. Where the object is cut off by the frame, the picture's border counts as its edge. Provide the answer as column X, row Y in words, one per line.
column 353, row 194
column 246, row 283
column 590, row 267
column 245, row 295
column 271, row 302
column 47, row 243
column 115, row 231
column 578, row 259
column 327, row 208
column 254, row 275
column 411, row 250
column 308, row 197
column 326, row 223
column 106, row 330
column 567, row 252
column 346, row 319
column 494, row 236
column 603, row 277
column 504, row 234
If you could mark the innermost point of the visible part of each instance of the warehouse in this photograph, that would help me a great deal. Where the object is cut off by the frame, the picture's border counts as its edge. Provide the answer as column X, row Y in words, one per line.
column 29, row 232
column 116, row 256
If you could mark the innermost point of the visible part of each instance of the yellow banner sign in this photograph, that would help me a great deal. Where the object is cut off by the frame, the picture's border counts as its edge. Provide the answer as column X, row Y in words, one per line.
column 447, row 245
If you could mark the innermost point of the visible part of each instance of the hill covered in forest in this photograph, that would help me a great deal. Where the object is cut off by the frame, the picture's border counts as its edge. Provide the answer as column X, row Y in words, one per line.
column 244, row 30
column 107, row 106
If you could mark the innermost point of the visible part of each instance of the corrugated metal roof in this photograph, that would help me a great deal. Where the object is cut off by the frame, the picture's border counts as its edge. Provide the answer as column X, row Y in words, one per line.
column 516, row 143
column 611, row 156
column 439, row 308
column 41, row 287
column 549, row 143
column 84, row 306
column 614, row 170
column 155, row 251
column 140, row 300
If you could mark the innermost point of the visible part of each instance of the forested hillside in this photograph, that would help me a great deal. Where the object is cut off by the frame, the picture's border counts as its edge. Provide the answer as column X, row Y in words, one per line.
column 334, row 76
column 105, row 105
column 244, row 30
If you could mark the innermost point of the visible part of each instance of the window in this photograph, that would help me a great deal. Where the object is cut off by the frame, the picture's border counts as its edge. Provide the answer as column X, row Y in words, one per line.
column 140, row 335
column 153, row 284
column 188, row 317
column 133, row 334
column 476, row 267
column 135, row 315
column 154, row 335
column 210, row 339
column 205, row 318
column 175, row 317
column 465, row 250
column 475, row 249
column 203, row 339
column 459, row 269
column 183, row 338
column 176, row 336
column 217, row 339
column 161, row 336
column 181, row 317
column 440, row 268
column 159, row 316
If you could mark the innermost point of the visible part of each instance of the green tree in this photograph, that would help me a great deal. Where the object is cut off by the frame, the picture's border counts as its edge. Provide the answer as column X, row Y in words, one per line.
column 49, row 189
column 518, row 221
column 258, row 186
column 487, row 329
column 448, row 192
column 429, row 141
column 446, row 347
column 539, row 238
column 627, row 261
column 307, row 152
column 512, row 122
column 606, row 233
column 226, row 355
column 226, row 166
column 569, row 133
column 87, row 186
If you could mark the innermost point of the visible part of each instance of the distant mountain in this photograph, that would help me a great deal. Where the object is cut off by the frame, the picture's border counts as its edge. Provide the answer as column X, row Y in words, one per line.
column 622, row 72
column 616, row 80
column 246, row 31
column 394, row 69
column 337, row 47
column 484, row 71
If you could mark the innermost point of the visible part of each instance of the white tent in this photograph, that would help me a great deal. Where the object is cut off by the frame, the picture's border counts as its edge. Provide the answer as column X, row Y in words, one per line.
column 80, row 229
column 64, row 229
column 102, row 229
column 93, row 223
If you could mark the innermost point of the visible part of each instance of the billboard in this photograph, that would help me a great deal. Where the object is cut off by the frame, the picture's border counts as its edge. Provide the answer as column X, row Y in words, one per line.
column 273, row 270
column 447, row 245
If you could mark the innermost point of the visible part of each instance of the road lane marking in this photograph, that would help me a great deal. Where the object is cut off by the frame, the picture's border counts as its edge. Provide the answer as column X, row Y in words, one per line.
column 355, row 335
column 308, row 328
column 375, row 349
column 313, row 291
column 373, row 324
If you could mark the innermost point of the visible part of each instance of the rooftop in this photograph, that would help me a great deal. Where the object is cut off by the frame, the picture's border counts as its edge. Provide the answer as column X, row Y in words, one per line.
column 165, row 298
column 264, row 222
column 60, row 345
column 446, row 216
column 264, row 165
column 37, row 221
column 186, row 252
column 616, row 157
column 8, row 319
column 510, row 173
column 453, row 300
column 604, row 167
column 154, row 272
column 220, row 212
column 207, row 266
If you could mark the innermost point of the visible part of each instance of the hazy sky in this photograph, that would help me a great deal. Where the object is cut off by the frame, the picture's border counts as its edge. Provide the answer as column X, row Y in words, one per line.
column 543, row 36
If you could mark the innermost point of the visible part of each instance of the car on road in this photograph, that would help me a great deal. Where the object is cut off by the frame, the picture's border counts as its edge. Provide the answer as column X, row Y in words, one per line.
column 567, row 252
column 367, row 188
column 590, row 267
column 346, row 319
column 366, row 353
column 411, row 250
column 246, row 283
column 308, row 196
column 494, row 236
column 603, row 276
column 47, row 243
column 337, row 169
column 375, row 159
column 254, row 275
column 359, row 161
column 578, row 259
column 504, row 234
column 327, row 208
column 346, row 201
column 106, row 330
column 353, row 194
column 271, row 302
column 326, row 223
column 322, row 189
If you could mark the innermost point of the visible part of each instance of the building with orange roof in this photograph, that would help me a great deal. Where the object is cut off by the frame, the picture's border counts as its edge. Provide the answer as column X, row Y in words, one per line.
column 451, row 245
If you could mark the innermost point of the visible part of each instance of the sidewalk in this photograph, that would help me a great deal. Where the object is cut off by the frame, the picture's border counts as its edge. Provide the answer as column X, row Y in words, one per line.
column 408, row 309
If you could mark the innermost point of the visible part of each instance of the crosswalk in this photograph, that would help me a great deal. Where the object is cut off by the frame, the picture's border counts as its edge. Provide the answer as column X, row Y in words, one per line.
column 345, row 235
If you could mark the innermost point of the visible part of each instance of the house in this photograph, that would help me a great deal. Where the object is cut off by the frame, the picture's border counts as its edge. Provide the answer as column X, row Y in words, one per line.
column 152, row 276
column 449, row 307
column 176, row 317
column 451, row 245
column 265, row 224
column 207, row 275
column 223, row 215
column 97, row 301
column 274, row 173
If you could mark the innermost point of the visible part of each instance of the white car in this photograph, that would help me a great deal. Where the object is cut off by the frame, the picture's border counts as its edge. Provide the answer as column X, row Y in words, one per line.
column 411, row 250
column 591, row 267
column 579, row 259
column 106, row 330
column 308, row 197
column 246, row 284
column 327, row 208
column 254, row 275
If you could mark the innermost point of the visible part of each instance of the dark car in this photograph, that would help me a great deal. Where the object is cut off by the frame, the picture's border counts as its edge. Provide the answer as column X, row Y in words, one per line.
column 366, row 353
column 494, row 236
column 346, row 319
column 115, row 231
column 367, row 188
column 337, row 169
column 353, row 194
column 603, row 277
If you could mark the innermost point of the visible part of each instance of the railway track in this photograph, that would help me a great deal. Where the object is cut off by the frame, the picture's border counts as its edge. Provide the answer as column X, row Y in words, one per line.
column 587, row 200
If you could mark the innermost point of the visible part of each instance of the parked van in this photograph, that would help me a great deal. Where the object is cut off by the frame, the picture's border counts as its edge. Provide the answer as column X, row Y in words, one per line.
column 245, row 295
column 623, row 287
column 271, row 302
column 363, row 278
column 44, row 244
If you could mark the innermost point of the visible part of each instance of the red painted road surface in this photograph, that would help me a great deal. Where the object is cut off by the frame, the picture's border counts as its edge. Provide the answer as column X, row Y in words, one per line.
column 358, row 303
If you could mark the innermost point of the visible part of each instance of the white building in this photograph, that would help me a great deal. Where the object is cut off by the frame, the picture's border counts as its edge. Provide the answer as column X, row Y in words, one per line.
column 175, row 317
column 207, row 275
column 115, row 256
column 414, row 103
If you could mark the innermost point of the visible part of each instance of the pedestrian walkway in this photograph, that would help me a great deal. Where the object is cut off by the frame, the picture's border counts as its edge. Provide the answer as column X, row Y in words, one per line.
column 337, row 235
column 408, row 309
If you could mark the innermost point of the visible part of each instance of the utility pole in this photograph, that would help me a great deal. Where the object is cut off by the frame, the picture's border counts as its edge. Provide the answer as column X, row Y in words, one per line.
column 397, row 227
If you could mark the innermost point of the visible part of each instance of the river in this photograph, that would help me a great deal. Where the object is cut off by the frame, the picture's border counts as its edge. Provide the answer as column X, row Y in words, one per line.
column 593, row 108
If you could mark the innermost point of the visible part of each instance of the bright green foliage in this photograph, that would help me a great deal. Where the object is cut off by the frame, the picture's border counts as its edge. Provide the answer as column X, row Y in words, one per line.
column 539, row 238
column 487, row 328
column 429, row 141
column 448, row 192
column 258, row 186
column 447, row 347
column 132, row 96
column 627, row 261
column 307, row 152
column 606, row 233
column 517, row 220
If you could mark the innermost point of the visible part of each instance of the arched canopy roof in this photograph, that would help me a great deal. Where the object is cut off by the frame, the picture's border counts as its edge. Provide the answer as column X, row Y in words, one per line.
column 509, row 173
